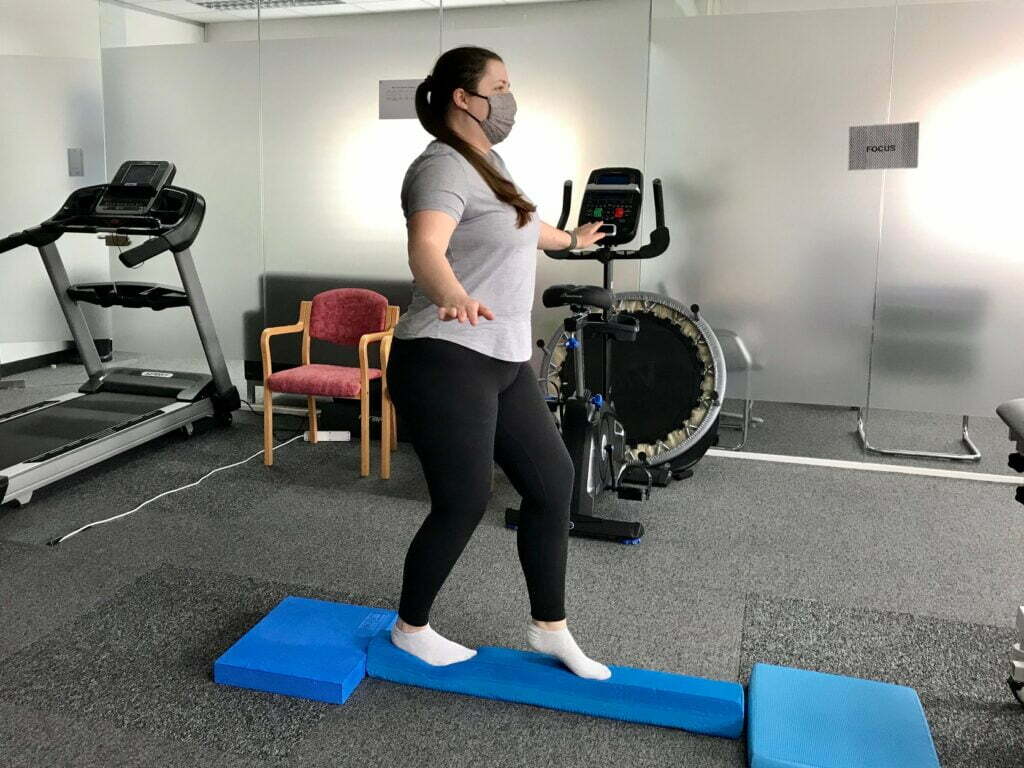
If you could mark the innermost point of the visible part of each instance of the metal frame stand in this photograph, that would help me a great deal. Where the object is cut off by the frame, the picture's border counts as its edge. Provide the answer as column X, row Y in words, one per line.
column 973, row 454
column 744, row 422
column 744, row 363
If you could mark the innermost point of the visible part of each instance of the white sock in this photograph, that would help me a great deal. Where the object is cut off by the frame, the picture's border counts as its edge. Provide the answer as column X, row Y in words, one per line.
column 430, row 647
column 560, row 644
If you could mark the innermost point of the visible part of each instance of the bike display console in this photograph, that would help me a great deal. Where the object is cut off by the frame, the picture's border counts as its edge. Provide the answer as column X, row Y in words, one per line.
column 613, row 196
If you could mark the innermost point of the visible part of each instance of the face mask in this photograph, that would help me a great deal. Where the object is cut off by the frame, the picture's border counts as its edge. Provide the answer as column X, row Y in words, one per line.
column 501, row 116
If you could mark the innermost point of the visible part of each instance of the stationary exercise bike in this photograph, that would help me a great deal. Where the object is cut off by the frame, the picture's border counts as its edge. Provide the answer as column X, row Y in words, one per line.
column 670, row 385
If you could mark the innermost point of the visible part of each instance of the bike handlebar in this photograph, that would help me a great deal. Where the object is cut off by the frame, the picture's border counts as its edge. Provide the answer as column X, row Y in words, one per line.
column 657, row 245
column 566, row 203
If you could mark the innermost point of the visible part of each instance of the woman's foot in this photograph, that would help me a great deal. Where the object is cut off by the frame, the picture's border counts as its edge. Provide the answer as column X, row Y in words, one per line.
column 425, row 644
column 560, row 644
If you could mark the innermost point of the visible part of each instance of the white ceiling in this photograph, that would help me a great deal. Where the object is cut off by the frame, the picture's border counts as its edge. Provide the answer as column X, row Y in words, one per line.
column 183, row 9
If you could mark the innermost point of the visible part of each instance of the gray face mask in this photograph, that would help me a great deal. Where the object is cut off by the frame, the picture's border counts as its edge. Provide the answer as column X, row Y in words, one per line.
column 501, row 116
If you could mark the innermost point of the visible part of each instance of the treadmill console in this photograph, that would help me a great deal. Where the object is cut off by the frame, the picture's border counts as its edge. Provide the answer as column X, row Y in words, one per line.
column 138, row 201
column 613, row 195
column 135, row 188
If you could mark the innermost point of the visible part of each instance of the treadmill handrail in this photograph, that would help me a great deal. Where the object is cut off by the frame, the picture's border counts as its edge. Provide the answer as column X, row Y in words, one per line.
column 176, row 239
column 35, row 236
column 144, row 252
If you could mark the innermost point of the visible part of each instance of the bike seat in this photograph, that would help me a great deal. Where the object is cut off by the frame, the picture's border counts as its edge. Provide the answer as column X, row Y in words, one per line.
column 567, row 295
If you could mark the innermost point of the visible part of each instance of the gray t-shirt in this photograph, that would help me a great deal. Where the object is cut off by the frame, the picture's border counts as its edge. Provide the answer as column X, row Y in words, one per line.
column 495, row 260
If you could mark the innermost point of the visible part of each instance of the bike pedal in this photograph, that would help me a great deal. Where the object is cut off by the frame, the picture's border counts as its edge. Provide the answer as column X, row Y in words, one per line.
column 632, row 493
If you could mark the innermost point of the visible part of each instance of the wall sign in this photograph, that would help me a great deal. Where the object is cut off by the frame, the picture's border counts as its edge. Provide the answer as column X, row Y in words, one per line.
column 398, row 99
column 892, row 145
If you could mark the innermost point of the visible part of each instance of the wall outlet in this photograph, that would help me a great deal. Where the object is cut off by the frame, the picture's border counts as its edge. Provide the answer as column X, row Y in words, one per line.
column 76, row 161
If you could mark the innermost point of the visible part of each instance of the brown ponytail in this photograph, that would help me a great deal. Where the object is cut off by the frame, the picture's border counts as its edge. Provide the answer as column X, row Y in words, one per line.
column 463, row 68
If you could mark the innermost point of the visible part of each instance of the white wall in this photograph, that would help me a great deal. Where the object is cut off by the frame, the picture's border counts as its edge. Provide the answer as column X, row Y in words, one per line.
column 28, row 28
column 196, row 106
column 50, row 78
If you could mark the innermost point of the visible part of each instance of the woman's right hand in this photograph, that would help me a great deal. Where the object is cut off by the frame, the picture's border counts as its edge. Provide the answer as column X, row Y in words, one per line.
column 463, row 308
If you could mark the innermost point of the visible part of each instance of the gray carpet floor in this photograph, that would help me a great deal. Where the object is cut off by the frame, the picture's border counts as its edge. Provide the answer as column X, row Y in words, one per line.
column 106, row 641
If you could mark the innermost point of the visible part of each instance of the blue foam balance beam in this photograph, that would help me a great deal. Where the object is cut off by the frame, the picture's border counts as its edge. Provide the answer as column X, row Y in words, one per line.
column 803, row 719
column 635, row 695
column 308, row 648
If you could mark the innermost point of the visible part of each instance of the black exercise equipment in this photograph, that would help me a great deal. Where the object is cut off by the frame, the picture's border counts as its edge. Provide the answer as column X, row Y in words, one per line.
column 636, row 386
column 119, row 408
column 1012, row 413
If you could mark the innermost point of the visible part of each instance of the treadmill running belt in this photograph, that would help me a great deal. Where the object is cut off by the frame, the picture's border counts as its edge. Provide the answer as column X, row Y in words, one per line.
column 43, row 431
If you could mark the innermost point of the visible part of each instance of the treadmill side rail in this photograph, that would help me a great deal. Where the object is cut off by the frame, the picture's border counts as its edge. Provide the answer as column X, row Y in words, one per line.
column 18, row 413
column 24, row 479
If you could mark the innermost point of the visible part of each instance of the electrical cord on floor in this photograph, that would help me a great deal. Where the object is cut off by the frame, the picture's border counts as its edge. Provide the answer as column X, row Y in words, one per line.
column 65, row 537
column 302, row 431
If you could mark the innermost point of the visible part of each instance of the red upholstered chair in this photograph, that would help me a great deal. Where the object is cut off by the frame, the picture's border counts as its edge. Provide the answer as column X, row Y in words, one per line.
column 349, row 316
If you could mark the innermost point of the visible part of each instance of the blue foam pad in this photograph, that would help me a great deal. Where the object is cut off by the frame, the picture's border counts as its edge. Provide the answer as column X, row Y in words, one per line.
column 804, row 719
column 636, row 695
column 308, row 648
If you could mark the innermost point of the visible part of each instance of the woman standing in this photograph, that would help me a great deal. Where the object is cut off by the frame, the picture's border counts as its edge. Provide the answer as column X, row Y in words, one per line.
column 459, row 371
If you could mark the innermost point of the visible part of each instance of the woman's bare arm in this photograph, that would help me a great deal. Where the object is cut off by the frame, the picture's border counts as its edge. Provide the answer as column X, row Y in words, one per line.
column 429, row 235
column 552, row 239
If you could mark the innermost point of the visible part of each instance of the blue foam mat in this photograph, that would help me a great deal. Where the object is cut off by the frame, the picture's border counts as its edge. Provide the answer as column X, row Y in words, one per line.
column 635, row 695
column 803, row 719
column 309, row 648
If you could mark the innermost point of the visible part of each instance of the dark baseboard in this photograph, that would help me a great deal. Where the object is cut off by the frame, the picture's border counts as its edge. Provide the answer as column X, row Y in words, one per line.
column 69, row 355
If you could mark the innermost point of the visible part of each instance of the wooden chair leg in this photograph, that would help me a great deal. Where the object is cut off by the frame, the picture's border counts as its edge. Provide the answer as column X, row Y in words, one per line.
column 268, row 426
column 364, row 432
column 385, row 437
column 311, row 404
column 394, row 427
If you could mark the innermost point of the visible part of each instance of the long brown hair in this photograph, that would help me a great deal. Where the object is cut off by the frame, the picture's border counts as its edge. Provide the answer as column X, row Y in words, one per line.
column 464, row 68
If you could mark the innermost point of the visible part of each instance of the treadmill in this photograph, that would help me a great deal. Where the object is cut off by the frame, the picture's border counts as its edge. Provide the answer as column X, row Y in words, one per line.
column 117, row 408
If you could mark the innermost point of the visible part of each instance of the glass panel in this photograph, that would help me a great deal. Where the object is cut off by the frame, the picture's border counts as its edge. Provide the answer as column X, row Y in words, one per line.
column 948, row 306
column 577, row 111
column 772, row 235
column 173, row 90
column 50, row 81
column 950, row 261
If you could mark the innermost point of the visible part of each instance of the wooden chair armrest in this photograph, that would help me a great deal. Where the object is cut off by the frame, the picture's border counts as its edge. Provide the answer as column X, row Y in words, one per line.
column 364, row 342
column 279, row 330
column 373, row 338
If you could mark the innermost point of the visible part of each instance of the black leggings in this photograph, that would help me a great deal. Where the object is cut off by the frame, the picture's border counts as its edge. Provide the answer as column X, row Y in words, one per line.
column 463, row 411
